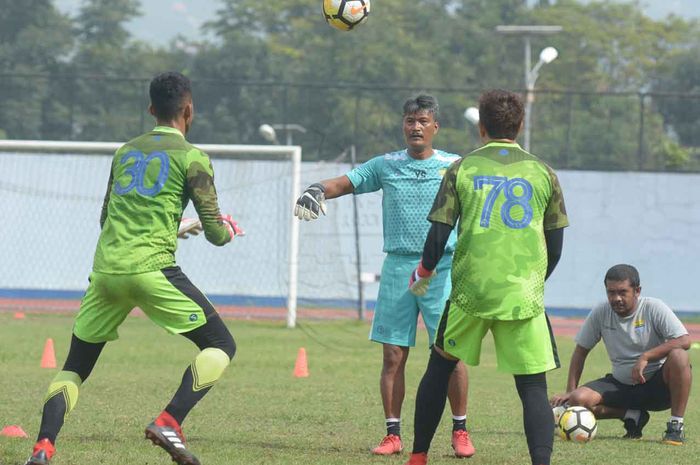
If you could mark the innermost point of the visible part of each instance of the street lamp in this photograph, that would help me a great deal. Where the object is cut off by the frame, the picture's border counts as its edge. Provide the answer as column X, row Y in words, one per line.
column 547, row 55
column 269, row 131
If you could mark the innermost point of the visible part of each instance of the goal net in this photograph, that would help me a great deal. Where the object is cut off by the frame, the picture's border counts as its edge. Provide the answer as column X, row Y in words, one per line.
column 52, row 195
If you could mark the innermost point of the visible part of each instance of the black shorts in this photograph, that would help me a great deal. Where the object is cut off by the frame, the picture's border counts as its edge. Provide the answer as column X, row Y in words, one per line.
column 653, row 395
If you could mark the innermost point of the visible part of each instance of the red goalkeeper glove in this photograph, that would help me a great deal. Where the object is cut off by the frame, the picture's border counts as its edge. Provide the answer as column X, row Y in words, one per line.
column 232, row 227
column 189, row 227
column 420, row 280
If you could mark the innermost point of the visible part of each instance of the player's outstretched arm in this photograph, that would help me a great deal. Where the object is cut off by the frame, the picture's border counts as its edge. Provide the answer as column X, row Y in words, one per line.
column 200, row 188
column 312, row 201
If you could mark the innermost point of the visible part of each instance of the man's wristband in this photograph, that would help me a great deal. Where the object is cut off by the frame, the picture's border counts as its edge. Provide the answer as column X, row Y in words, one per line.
column 422, row 271
column 318, row 186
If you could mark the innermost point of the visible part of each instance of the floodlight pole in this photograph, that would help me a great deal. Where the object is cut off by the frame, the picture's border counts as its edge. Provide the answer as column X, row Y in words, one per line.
column 289, row 128
column 358, row 255
column 530, row 78
column 531, row 74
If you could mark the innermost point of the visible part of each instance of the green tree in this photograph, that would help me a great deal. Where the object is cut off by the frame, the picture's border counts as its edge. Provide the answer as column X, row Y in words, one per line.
column 35, row 40
column 681, row 74
column 290, row 42
column 606, row 47
column 111, row 72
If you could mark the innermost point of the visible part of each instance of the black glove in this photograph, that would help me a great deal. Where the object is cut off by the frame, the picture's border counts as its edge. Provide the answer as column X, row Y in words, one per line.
column 311, row 203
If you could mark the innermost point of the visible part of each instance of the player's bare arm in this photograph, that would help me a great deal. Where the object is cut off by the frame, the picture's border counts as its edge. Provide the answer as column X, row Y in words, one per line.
column 657, row 353
column 578, row 360
column 337, row 187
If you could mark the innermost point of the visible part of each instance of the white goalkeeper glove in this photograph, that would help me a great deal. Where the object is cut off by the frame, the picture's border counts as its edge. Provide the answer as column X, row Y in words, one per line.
column 231, row 226
column 311, row 203
column 189, row 227
column 420, row 280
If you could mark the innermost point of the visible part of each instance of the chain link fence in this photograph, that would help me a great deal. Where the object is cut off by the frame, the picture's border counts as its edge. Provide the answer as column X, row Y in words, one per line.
column 570, row 129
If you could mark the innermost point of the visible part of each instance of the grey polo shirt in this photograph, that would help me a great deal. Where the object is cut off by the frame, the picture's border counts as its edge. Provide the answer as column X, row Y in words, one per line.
column 625, row 339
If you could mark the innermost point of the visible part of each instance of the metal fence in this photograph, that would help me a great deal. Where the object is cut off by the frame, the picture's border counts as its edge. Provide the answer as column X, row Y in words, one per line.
column 643, row 131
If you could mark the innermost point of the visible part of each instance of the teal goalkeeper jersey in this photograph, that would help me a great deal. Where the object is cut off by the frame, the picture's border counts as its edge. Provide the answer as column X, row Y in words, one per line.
column 504, row 199
column 152, row 179
column 409, row 187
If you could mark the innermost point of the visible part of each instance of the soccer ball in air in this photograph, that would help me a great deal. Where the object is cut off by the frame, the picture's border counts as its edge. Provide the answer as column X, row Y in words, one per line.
column 345, row 14
column 577, row 424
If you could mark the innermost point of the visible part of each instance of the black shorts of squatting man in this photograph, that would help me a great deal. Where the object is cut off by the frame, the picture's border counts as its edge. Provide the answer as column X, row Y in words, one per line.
column 653, row 395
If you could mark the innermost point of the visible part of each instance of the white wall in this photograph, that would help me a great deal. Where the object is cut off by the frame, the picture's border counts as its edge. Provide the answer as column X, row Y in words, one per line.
column 50, row 205
column 648, row 220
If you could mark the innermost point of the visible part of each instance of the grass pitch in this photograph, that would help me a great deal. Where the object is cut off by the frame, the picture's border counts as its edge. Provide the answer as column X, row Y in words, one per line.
column 260, row 414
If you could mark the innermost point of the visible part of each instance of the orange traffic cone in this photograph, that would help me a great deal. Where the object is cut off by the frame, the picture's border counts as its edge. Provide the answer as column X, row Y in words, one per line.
column 13, row 431
column 301, row 368
column 48, row 359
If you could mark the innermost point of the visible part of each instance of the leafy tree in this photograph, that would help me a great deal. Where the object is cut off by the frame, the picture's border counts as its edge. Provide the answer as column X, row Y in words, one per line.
column 35, row 40
column 608, row 47
column 681, row 74
column 112, row 70
column 278, row 62
column 288, row 41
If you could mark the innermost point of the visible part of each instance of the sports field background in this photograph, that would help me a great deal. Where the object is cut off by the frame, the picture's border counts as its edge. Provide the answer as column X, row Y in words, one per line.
column 605, row 229
column 260, row 414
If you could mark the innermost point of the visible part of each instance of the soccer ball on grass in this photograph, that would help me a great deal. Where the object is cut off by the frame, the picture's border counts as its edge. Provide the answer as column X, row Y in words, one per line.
column 577, row 424
column 345, row 14
column 557, row 412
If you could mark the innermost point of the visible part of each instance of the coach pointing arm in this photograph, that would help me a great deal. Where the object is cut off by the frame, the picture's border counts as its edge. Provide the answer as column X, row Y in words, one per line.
column 312, row 201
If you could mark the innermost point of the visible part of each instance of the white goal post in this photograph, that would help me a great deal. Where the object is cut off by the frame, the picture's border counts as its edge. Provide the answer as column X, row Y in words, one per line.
column 250, row 152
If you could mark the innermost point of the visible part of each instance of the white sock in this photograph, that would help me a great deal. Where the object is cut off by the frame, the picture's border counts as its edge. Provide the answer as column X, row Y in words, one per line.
column 633, row 414
column 459, row 417
column 678, row 419
column 393, row 426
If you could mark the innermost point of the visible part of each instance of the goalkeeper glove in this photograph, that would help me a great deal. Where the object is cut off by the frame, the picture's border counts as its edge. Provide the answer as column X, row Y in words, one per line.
column 189, row 227
column 420, row 280
column 231, row 226
column 311, row 203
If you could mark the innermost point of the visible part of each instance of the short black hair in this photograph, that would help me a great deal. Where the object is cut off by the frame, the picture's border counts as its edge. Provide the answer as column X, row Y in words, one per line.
column 169, row 92
column 623, row 272
column 422, row 102
column 501, row 113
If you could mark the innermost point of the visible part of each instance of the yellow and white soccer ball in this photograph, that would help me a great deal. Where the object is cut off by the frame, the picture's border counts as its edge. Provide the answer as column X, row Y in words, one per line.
column 346, row 14
column 577, row 424
column 557, row 412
